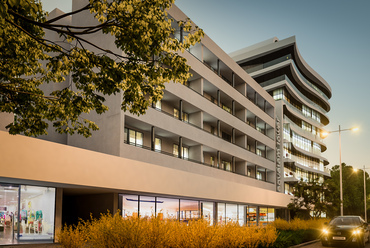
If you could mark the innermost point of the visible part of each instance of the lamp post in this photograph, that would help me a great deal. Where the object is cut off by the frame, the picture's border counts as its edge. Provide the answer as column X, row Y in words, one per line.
column 340, row 162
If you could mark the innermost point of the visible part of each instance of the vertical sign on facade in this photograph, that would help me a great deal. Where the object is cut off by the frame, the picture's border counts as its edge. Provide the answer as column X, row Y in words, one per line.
column 278, row 156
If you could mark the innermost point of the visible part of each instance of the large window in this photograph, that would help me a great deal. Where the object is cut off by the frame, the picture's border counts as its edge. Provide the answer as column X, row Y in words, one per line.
column 184, row 116
column 207, row 211
column 221, row 213
column 252, row 216
column 185, row 151
column 189, row 210
column 37, row 208
column 134, row 137
column 231, row 213
column 130, row 206
column 278, row 94
column 147, row 206
column 167, row 208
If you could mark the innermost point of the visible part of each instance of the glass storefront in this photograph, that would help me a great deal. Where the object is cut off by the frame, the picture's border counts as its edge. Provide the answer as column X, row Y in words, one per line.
column 185, row 210
column 26, row 213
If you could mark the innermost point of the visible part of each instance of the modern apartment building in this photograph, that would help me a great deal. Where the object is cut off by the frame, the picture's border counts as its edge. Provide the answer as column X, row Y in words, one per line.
column 207, row 149
column 301, row 105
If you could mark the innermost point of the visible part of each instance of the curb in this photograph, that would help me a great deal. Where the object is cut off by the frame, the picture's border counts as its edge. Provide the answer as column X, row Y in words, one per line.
column 304, row 244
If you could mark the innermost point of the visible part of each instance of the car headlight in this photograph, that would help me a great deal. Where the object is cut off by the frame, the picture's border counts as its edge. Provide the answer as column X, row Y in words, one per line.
column 356, row 231
column 325, row 231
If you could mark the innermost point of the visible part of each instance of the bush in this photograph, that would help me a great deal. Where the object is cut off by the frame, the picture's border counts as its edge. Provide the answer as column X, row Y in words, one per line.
column 114, row 231
column 297, row 231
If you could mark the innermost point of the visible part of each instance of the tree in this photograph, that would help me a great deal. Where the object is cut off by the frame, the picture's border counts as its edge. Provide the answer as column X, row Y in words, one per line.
column 312, row 197
column 142, row 30
column 353, row 185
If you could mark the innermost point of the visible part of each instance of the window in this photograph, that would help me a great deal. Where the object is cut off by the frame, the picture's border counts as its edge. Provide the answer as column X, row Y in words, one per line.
column 185, row 151
column 226, row 165
column 212, row 159
column 157, row 145
column 226, row 108
column 258, row 152
column 135, row 138
column 184, row 116
column 158, row 105
column 226, row 136
column 306, row 111
column 278, row 94
column 259, row 175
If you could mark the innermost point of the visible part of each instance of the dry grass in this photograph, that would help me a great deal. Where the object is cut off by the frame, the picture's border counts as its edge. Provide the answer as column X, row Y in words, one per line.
column 298, row 224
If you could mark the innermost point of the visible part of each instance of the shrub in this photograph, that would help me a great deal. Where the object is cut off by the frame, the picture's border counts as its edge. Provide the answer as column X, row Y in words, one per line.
column 114, row 231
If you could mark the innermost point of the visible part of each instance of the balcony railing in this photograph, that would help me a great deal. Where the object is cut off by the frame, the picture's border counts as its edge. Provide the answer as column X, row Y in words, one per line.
column 191, row 160
column 172, row 115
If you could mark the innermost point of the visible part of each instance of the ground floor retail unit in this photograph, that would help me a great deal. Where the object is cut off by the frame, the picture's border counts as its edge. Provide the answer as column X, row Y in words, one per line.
column 32, row 213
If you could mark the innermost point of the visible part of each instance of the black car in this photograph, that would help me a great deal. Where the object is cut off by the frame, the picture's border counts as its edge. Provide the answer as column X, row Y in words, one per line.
column 347, row 230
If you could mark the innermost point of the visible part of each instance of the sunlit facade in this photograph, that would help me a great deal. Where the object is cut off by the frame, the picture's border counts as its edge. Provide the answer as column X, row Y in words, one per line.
column 207, row 149
column 301, row 107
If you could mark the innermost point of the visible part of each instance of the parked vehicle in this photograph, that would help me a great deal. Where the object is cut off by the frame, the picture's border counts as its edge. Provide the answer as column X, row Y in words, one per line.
column 348, row 230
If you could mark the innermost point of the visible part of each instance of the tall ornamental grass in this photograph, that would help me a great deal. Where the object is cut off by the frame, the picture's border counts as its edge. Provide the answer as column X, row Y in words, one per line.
column 114, row 231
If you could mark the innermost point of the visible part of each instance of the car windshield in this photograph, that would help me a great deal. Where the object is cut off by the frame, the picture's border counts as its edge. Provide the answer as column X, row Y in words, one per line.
column 346, row 221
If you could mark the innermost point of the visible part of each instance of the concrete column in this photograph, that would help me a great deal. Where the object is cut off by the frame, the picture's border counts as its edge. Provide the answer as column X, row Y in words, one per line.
column 233, row 107
column 196, row 153
column 218, row 128
column 218, row 67
column 180, row 147
column 218, row 98
column 218, row 159
column 180, row 110
column 233, row 79
column 152, row 138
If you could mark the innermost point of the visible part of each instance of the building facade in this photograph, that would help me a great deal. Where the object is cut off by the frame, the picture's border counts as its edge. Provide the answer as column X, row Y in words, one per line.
column 301, row 108
column 211, row 148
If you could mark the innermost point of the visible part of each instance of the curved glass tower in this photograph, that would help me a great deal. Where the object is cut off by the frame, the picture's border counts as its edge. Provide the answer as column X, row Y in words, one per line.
column 301, row 108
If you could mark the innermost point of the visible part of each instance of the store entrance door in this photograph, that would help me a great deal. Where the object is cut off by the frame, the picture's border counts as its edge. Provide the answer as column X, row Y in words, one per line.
column 9, row 204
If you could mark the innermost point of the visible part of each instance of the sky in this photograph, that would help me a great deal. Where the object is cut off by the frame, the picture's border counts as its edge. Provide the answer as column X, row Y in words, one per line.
column 333, row 37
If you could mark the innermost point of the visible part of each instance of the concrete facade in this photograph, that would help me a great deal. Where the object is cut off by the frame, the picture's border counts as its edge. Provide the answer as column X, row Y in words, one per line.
column 213, row 140
column 301, row 106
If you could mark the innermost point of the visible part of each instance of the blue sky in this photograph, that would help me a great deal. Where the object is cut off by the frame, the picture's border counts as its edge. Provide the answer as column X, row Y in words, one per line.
column 333, row 36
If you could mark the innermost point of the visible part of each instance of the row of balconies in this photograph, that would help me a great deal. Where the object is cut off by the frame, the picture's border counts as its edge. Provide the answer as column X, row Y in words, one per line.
column 158, row 140
column 201, row 120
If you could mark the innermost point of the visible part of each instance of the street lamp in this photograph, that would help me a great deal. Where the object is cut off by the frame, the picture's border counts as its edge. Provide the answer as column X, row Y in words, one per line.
column 364, row 190
column 324, row 134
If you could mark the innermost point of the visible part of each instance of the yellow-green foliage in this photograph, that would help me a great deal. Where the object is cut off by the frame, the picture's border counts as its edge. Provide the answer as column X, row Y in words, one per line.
column 114, row 231
column 298, row 224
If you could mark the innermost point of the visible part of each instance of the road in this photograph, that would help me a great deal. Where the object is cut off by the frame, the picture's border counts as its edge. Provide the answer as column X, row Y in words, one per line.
column 318, row 245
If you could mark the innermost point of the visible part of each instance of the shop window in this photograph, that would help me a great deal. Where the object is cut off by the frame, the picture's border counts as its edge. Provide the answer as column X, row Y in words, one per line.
column 242, row 210
column 135, row 138
column 270, row 215
column 252, row 216
column 231, row 213
column 207, row 211
column 189, row 210
column 167, row 208
column 157, row 145
column 147, row 206
column 37, row 208
column 258, row 152
column 221, row 213
column 130, row 206
column 263, row 216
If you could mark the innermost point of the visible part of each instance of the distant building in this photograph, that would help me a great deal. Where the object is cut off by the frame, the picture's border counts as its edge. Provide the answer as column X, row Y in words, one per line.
column 210, row 148
column 301, row 106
